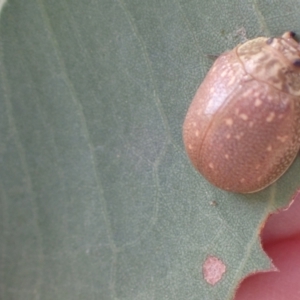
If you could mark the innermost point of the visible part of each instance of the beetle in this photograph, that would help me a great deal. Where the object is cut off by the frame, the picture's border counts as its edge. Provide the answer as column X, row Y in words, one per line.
column 242, row 129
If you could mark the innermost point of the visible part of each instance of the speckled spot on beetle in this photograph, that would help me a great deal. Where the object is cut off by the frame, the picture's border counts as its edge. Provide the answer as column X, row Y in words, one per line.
column 269, row 148
column 247, row 77
column 214, row 69
column 270, row 117
column 224, row 73
column 282, row 138
column 247, row 93
column 244, row 117
column 257, row 103
column 255, row 94
column 239, row 136
column 229, row 122
column 231, row 82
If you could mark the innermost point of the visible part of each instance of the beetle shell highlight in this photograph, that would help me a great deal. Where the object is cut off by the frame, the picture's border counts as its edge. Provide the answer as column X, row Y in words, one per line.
column 242, row 129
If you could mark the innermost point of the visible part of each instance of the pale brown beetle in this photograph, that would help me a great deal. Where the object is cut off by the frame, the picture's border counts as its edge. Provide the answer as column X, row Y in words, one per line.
column 242, row 129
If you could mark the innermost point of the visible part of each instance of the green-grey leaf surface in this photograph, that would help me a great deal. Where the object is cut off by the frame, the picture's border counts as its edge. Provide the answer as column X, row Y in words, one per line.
column 98, row 199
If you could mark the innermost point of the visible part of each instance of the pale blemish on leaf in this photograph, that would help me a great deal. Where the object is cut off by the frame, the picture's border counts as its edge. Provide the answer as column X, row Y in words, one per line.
column 213, row 269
